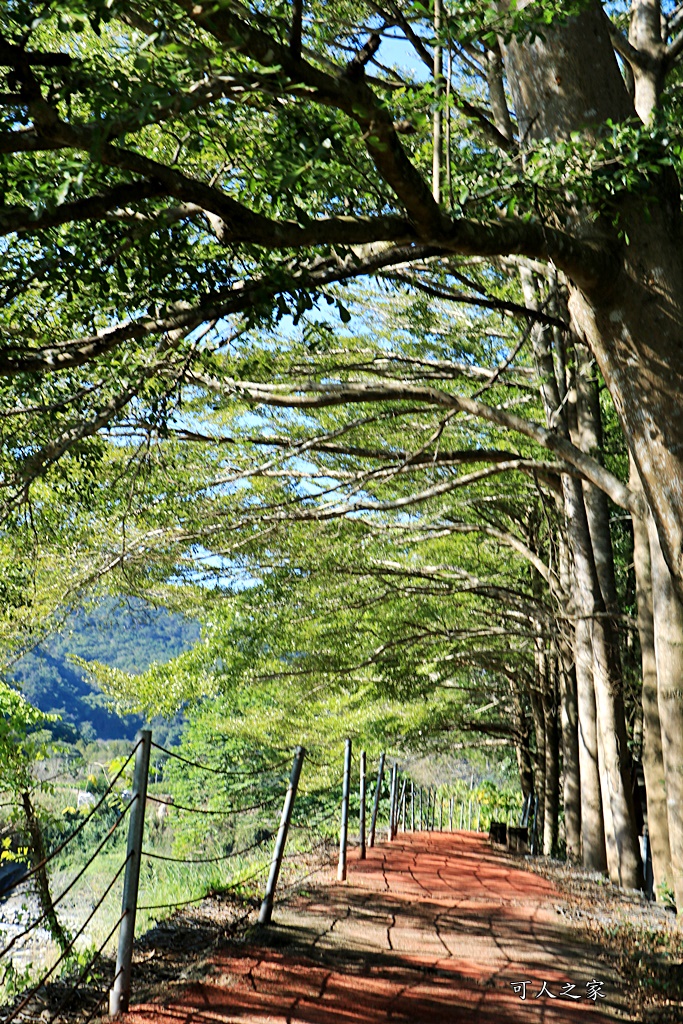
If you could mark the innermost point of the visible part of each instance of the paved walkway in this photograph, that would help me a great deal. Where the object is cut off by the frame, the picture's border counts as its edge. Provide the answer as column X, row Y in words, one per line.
column 431, row 928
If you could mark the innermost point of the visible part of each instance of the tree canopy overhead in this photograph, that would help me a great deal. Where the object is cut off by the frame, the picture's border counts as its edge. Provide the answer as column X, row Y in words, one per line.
column 169, row 166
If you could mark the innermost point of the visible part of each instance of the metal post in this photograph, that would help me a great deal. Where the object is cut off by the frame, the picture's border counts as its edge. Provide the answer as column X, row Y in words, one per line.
column 266, row 911
column 403, row 806
column 441, row 816
column 462, row 816
column 119, row 994
column 450, row 814
column 373, row 823
column 363, row 789
column 523, row 816
column 420, row 808
column 344, row 830
column 534, row 835
column 469, row 815
column 433, row 807
column 392, row 800
column 412, row 806
column 397, row 806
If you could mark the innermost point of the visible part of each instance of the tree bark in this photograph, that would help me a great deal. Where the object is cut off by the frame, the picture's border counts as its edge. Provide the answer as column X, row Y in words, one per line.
column 617, row 795
column 522, row 741
column 653, row 763
column 668, row 631
column 568, row 80
column 552, row 760
column 569, row 721
column 593, row 849
column 645, row 34
column 536, row 699
column 593, row 846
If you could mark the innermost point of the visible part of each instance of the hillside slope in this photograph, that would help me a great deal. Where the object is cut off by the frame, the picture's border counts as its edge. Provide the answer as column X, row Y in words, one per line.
column 129, row 637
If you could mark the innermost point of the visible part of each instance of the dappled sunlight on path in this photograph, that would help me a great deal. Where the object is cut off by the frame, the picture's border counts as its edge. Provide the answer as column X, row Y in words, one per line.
column 432, row 927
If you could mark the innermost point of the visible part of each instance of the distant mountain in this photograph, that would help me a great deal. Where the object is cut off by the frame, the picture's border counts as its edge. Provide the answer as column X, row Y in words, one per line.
column 129, row 637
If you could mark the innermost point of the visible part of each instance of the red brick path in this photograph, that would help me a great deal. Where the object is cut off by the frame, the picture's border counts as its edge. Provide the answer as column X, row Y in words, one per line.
column 431, row 928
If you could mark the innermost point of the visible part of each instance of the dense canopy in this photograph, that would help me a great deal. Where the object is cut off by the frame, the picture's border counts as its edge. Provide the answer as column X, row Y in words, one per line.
column 355, row 331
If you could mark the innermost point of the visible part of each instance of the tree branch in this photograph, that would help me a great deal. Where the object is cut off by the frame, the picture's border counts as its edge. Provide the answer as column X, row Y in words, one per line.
column 236, row 299
column 311, row 396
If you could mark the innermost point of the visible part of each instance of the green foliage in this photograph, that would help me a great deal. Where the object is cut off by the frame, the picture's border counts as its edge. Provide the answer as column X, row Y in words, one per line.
column 128, row 637
column 21, row 745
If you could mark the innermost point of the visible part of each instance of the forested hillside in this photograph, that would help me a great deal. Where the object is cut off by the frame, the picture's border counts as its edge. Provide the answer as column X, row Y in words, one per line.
column 127, row 636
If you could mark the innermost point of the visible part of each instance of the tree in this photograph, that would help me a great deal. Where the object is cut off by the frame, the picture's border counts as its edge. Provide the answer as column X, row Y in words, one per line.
column 214, row 159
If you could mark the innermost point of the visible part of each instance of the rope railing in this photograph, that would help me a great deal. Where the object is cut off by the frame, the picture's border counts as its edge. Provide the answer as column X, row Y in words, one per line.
column 210, row 860
column 65, row 892
column 68, row 948
column 220, row 771
column 63, row 845
column 219, row 812
column 313, row 824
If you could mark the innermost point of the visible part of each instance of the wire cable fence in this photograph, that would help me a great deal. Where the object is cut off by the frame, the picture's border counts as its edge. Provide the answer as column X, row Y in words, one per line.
column 5, row 890
column 169, row 865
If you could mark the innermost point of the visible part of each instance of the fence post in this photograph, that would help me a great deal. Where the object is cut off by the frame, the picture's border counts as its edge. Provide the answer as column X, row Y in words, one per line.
column 344, row 831
column 441, row 816
column 522, row 821
column 373, row 823
column 397, row 804
column 266, row 911
column 450, row 814
column 534, row 834
column 412, row 806
column 392, row 800
column 420, row 808
column 363, row 789
column 119, row 994
column 403, row 806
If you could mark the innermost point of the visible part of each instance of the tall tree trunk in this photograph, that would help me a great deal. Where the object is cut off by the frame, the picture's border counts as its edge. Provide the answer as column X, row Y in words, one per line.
column 653, row 763
column 536, row 698
column 567, row 79
column 592, row 628
column 569, row 721
column 616, row 779
column 592, row 821
column 552, row 760
column 552, row 392
column 571, row 786
column 668, row 630
column 522, row 741
column 588, row 437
